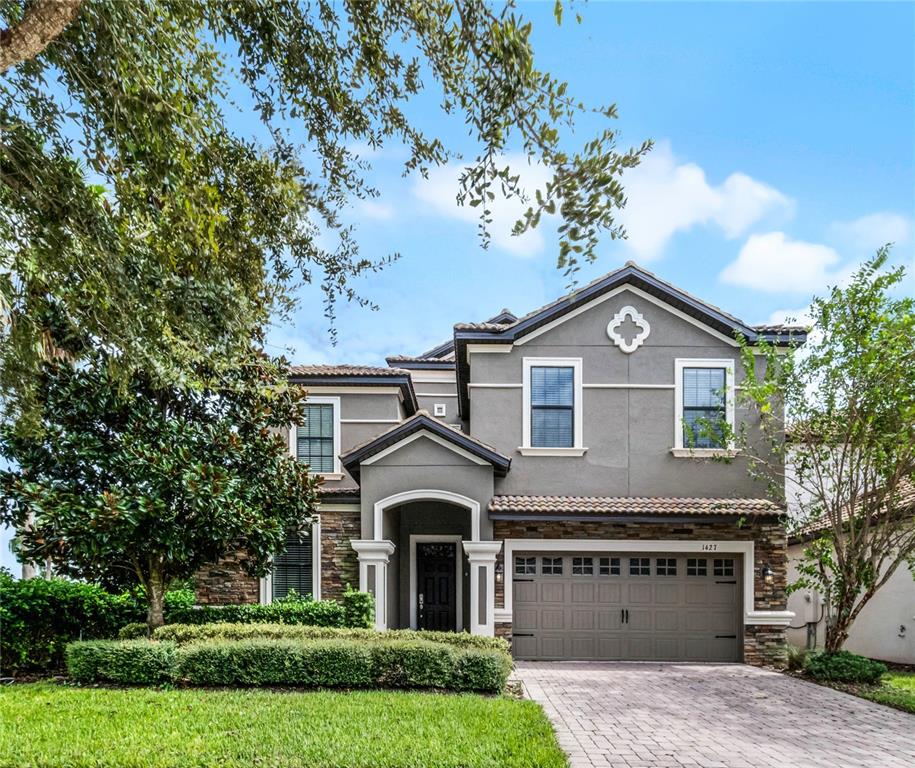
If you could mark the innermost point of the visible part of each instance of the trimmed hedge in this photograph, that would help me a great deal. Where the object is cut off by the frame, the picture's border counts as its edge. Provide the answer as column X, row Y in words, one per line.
column 38, row 617
column 189, row 633
column 127, row 662
column 332, row 663
column 844, row 667
column 355, row 610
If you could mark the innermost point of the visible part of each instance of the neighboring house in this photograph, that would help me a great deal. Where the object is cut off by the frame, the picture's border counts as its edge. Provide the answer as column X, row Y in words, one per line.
column 885, row 628
column 531, row 478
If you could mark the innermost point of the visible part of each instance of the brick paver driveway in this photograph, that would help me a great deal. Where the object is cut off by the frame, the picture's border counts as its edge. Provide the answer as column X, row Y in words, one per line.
column 712, row 716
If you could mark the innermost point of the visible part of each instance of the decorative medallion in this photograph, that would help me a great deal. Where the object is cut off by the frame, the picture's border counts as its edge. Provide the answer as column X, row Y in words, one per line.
column 616, row 323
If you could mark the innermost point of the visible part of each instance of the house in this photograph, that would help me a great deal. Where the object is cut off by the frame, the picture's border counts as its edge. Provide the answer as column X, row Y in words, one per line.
column 885, row 628
column 537, row 478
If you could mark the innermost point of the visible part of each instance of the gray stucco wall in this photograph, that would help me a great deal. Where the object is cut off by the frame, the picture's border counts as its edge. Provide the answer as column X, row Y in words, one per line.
column 629, row 432
column 431, row 391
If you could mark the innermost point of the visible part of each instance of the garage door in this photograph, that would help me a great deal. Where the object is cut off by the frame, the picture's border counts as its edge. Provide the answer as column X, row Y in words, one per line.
column 630, row 606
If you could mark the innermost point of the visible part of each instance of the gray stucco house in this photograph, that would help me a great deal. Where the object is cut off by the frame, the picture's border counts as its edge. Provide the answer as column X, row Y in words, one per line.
column 537, row 478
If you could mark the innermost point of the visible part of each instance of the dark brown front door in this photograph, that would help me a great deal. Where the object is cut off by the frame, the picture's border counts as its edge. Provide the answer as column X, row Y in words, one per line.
column 436, row 588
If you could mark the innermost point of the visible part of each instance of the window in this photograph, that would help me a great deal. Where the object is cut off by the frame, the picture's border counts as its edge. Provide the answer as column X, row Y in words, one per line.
column 551, row 566
column 317, row 439
column 293, row 570
column 696, row 566
column 582, row 566
column 552, row 407
column 666, row 566
column 609, row 566
column 704, row 405
column 639, row 566
column 723, row 567
column 552, row 418
column 525, row 566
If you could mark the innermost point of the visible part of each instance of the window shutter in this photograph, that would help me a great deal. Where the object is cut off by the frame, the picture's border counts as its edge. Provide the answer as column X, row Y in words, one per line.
column 292, row 570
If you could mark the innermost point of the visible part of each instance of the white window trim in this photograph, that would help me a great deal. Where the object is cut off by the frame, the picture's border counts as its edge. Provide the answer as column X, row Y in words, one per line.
column 578, row 449
column 266, row 583
column 679, row 450
column 337, row 474
column 442, row 538
column 711, row 548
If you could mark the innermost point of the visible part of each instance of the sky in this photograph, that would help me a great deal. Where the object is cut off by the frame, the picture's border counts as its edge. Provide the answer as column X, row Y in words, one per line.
column 784, row 155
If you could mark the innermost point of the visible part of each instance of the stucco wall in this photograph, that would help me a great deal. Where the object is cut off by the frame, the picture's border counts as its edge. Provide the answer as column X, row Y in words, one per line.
column 628, row 431
column 885, row 628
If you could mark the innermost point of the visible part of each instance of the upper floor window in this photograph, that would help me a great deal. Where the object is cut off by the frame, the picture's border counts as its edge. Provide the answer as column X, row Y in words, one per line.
column 552, row 406
column 317, row 439
column 705, row 403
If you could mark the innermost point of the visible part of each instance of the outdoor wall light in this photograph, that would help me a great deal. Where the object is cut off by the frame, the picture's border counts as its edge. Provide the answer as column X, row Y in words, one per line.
column 767, row 573
column 500, row 572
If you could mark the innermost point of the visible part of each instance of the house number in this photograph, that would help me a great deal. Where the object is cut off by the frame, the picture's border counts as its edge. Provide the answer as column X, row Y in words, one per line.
column 709, row 547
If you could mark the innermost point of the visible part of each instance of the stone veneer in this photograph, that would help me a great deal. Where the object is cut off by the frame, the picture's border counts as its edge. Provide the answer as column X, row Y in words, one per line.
column 764, row 645
column 226, row 583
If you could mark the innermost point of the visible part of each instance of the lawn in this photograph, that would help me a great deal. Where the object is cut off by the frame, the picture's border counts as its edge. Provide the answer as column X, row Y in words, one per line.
column 896, row 690
column 50, row 725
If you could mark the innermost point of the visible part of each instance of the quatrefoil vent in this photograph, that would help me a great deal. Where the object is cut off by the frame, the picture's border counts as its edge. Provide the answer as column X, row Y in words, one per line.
column 616, row 323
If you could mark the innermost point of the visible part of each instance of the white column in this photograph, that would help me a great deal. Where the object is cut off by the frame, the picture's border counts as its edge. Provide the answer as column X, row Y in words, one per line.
column 375, row 555
column 482, row 557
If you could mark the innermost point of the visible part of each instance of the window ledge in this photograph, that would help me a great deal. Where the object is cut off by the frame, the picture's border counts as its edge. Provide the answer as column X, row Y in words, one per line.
column 530, row 451
column 702, row 453
column 330, row 475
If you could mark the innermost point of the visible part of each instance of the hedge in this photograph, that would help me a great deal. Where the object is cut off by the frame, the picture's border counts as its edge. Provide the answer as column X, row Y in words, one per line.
column 355, row 610
column 844, row 667
column 189, row 633
column 391, row 663
column 38, row 617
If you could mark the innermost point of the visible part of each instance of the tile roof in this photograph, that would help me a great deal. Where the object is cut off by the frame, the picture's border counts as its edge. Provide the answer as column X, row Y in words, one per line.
column 623, row 505
column 345, row 370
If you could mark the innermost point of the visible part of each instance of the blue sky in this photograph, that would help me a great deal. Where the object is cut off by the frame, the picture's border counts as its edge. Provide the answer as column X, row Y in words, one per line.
column 784, row 155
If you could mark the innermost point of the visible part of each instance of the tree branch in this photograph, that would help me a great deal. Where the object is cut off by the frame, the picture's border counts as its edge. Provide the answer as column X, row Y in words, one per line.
column 41, row 23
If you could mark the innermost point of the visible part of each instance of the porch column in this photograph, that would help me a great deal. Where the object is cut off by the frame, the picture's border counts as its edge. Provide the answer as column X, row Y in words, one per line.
column 373, row 574
column 482, row 557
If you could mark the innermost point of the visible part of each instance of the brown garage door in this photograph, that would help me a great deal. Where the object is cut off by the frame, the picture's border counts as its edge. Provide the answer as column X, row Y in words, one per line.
column 631, row 606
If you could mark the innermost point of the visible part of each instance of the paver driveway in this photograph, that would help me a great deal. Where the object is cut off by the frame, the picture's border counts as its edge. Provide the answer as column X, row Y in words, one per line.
column 713, row 716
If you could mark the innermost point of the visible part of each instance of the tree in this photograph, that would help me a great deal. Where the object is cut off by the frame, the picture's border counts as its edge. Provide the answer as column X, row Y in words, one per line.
column 146, row 216
column 144, row 485
column 849, row 399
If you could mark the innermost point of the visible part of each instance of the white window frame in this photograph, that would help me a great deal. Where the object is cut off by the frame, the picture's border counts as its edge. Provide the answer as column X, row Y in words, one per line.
column 578, row 449
column 266, row 583
column 337, row 474
column 679, row 450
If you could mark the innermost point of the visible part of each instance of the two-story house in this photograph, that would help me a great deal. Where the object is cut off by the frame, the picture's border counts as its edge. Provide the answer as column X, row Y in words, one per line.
column 540, row 478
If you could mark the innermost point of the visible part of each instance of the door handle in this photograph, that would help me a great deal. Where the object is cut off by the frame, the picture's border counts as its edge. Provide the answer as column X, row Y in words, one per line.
column 627, row 615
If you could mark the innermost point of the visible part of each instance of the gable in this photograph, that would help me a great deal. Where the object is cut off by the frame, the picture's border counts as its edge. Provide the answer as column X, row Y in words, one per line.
column 424, row 448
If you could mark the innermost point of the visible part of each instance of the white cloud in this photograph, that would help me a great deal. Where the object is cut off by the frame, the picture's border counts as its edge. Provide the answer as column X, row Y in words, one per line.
column 665, row 197
column 870, row 232
column 775, row 263
column 439, row 191
column 375, row 209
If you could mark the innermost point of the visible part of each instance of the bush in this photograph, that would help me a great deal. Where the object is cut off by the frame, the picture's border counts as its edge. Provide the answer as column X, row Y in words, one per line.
column 188, row 633
column 844, row 667
column 127, row 662
column 134, row 631
column 797, row 657
column 355, row 611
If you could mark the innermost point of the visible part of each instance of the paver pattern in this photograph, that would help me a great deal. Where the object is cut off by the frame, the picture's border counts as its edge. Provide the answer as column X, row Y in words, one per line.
column 712, row 716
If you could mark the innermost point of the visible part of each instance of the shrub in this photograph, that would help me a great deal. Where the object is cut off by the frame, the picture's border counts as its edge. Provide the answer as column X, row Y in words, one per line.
column 797, row 657
column 134, row 631
column 358, row 609
column 188, row 633
column 127, row 662
column 844, row 667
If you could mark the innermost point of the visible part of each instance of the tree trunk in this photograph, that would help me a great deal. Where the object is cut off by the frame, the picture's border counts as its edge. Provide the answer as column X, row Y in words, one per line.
column 836, row 635
column 42, row 22
column 155, row 596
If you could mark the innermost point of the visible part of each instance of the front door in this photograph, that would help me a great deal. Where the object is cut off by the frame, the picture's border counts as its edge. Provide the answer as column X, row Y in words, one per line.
column 436, row 587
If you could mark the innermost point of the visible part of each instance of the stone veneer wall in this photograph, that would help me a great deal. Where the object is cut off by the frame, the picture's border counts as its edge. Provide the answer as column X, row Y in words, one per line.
column 226, row 583
column 763, row 644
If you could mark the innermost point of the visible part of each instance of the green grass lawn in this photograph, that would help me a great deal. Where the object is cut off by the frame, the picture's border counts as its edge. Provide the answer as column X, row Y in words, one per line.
column 897, row 690
column 44, row 724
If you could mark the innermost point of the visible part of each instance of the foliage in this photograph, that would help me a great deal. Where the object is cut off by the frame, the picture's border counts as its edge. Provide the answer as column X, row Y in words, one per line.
column 386, row 662
column 797, row 658
column 136, row 630
column 125, row 662
column 148, row 211
column 847, row 401
column 38, row 617
column 50, row 725
column 190, row 633
column 897, row 689
column 143, row 486
column 358, row 608
column 844, row 667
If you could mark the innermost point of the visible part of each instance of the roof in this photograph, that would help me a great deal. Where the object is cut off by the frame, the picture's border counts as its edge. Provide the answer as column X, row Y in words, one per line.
column 357, row 376
column 630, row 274
column 905, row 502
column 508, row 507
column 420, row 422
